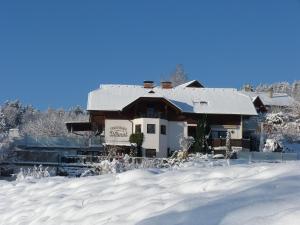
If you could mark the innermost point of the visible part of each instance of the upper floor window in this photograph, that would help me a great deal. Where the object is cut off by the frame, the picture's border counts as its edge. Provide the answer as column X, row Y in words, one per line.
column 150, row 128
column 163, row 129
column 150, row 112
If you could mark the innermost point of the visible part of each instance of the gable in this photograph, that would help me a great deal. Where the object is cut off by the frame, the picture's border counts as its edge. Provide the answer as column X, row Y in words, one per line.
column 195, row 84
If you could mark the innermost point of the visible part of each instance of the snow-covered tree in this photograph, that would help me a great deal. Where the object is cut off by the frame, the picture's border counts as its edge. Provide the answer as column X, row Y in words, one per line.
column 33, row 122
column 186, row 142
column 11, row 115
column 296, row 90
column 76, row 111
column 2, row 122
column 51, row 122
column 284, row 126
column 282, row 87
column 228, row 144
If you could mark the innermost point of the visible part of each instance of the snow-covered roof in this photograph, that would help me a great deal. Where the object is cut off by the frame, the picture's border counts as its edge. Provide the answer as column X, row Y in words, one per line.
column 115, row 97
column 189, row 83
column 277, row 99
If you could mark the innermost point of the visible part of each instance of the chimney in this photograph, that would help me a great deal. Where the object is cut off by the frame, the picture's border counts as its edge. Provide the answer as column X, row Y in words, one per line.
column 270, row 92
column 166, row 85
column 148, row 84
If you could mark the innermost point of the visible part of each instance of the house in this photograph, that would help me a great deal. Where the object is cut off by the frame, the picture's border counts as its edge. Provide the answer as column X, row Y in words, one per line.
column 267, row 101
column 165, row 113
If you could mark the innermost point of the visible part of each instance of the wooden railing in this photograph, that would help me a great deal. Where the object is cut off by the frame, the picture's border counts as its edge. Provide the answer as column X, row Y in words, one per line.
column 245, row 143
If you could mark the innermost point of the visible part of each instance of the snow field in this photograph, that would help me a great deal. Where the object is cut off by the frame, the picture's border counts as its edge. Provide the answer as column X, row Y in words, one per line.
column 259, row 193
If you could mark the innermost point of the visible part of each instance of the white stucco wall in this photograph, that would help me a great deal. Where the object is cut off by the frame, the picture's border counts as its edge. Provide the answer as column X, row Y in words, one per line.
column 176, row 130
column 157, row 141
column 163, row 139
column 151, row 141
column 118, row 132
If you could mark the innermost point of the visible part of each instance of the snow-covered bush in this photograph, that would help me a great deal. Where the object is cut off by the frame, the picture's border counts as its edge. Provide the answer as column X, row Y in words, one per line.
column 34, row 173
column 271, row 145
column 276, row 118
column 178, row 160
column 122, row 164
column 284, row 126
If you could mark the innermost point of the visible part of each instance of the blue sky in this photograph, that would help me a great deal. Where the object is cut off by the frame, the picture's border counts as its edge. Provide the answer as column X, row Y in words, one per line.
column 52, row 53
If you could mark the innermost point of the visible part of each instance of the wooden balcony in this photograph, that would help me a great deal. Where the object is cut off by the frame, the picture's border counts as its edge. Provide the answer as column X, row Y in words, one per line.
column 244, row 143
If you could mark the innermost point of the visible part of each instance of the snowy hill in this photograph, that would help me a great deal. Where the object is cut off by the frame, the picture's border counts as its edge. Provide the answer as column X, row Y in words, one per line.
column 263, row 193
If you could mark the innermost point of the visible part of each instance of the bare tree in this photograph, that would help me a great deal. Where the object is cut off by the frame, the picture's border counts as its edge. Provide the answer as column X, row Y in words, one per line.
column 178, row 76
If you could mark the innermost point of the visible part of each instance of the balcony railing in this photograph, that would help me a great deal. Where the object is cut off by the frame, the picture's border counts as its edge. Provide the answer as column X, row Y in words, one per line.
column 157, row 115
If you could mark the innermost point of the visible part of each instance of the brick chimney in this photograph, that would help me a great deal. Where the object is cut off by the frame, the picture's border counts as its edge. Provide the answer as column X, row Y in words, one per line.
column 166, row 85
column 148, row 84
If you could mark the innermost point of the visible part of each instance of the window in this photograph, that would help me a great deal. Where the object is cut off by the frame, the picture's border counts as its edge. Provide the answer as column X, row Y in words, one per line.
column 151, row 128
column 151, row 153
column 138, row 128
column 150, row 112
column 219, row 134
column 192, row 131
column 163, row 129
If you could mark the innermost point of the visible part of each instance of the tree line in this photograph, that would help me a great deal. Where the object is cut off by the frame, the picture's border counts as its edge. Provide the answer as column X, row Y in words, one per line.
column 31, row 121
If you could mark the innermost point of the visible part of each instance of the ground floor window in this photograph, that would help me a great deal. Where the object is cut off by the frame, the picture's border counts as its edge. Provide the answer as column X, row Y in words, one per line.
column 218, row 134
column 138, row 128
column 163, row 129
column 192, row 131
column 151, row 153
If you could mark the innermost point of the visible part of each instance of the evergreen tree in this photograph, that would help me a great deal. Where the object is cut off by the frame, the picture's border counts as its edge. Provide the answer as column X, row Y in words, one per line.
column 200, row 141
column 138, row 139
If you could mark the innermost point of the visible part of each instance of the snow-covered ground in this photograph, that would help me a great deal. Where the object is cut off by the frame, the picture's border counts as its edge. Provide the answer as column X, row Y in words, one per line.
column 259, row 193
